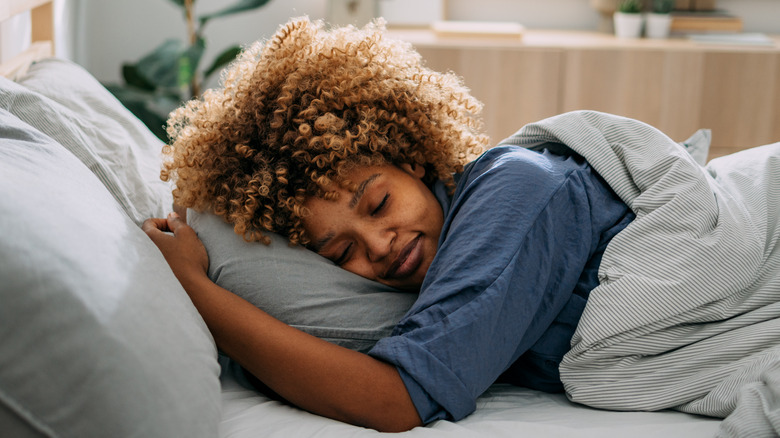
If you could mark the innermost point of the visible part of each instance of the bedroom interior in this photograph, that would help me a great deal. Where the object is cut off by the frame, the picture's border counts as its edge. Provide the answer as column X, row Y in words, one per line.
column 99, row 339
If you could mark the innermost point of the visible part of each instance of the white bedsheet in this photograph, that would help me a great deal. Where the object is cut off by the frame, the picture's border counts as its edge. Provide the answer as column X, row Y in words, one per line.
column 503, row 411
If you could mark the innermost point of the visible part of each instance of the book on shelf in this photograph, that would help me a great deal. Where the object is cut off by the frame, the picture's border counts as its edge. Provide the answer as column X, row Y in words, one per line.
column 703, row 22
column 742, row 39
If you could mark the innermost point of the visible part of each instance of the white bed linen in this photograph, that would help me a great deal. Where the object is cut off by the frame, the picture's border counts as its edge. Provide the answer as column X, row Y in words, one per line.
column 503, row 411
column 687, row 312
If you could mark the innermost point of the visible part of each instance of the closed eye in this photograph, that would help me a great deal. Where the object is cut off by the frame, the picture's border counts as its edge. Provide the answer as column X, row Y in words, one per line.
column 344, row 255
column 381, row 205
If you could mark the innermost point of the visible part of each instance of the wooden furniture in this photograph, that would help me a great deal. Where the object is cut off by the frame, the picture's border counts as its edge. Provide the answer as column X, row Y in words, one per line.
column 42, row 23
column 675, row 85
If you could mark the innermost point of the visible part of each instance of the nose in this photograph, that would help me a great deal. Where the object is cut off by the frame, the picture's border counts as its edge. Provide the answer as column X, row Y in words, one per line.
column 379, row 243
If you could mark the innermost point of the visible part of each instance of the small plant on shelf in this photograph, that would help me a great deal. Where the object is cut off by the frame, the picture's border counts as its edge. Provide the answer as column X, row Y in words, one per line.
column 663, row 6
column 660, row 21
column 628, row 19
column 630, row 6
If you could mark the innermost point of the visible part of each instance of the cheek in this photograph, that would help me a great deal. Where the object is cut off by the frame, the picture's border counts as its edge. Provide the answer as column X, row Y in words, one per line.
column 321, row 218
column 361, row 267
column 432, row 215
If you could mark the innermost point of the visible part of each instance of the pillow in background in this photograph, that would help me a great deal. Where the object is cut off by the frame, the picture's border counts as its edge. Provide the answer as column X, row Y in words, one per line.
column 65, row 102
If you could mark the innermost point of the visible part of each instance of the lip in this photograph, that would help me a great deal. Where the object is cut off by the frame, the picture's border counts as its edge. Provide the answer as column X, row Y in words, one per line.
column 407, row 261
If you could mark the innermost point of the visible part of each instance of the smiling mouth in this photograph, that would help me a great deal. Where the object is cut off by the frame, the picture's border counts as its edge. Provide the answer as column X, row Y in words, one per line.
column 408, row 260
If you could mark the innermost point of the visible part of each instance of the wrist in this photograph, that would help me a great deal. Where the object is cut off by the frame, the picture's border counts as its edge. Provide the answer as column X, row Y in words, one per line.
column 194, row 280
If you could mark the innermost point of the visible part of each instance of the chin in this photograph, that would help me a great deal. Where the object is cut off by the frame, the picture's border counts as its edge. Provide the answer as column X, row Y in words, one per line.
column 411, row 285
column 415, row 288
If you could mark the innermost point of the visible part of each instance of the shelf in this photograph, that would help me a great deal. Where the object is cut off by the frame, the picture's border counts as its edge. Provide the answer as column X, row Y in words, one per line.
column 559, row 39
column 676, row 84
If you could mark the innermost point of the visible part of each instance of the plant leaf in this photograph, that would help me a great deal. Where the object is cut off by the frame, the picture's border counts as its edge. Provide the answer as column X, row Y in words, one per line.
column 178, row 2
column 161, row 66
column 238, row 6
column 151, row 108
column 224, row 58
column 134, row 78
column 630, row 6
column 188, row 62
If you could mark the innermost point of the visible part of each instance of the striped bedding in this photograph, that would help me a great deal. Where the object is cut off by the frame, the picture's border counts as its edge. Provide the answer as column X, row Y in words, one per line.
column 686, row 316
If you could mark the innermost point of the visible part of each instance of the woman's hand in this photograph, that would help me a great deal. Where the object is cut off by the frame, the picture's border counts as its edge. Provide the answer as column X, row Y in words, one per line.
column 183, row 251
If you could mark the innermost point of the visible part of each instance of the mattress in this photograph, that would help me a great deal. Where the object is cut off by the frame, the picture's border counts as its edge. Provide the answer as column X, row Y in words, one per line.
column 502, row 411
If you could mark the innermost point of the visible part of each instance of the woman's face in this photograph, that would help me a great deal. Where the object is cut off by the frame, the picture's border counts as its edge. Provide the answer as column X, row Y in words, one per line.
column 387, row 230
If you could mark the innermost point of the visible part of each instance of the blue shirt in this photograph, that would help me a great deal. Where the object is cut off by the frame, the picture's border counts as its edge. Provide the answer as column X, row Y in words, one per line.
column 519, row 252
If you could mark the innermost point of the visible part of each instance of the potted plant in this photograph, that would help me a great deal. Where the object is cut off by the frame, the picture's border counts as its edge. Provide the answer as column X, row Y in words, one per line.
column 628, row 19
column 172, row 73
column 659, row 21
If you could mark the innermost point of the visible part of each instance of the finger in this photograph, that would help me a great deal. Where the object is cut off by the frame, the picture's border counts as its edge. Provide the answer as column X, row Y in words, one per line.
column 155, row 224
column 176, row 224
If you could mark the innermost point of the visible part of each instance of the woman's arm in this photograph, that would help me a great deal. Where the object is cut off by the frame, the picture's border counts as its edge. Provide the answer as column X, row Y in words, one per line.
column 313, row 374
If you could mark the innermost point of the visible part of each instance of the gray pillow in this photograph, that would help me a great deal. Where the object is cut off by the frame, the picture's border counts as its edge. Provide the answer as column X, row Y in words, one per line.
column 65, row 102
column 98, row 337
column 299, row 287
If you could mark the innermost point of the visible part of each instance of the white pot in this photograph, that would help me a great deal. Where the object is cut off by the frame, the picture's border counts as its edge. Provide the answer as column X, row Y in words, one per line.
column 658, row 25
column 628, row 25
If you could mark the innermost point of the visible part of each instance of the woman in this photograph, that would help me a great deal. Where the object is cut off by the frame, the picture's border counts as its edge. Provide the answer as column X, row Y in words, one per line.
column 343, row 142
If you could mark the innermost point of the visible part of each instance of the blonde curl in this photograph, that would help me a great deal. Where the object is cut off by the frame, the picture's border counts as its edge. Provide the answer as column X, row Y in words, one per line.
column 294, row 112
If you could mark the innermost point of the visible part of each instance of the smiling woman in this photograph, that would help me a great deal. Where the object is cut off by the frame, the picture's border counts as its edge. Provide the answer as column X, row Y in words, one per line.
column 332, row 139
column 343, row 142
column 386, row 230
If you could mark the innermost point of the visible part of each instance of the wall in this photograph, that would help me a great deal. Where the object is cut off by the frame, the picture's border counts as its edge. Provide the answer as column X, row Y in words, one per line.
column 120, row 30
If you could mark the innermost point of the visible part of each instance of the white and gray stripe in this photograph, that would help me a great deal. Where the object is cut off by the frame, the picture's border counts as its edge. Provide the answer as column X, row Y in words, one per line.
column 686, row 316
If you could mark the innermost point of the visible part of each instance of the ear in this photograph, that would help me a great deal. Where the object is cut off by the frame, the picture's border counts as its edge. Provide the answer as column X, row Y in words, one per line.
column 415, row 170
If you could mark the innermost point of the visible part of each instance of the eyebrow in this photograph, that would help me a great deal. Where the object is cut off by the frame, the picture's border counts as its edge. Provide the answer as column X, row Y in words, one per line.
column 320, row 243
column 361, row 189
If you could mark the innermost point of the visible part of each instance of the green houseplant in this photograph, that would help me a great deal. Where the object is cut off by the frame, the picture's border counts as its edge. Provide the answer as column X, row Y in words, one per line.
column 630, row 6
column 628, row 19
column 171, row 73
column 663, row 6
column 659, row 22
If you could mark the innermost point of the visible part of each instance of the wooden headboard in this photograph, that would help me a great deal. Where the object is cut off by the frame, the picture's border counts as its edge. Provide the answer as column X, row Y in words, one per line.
column 42, row 26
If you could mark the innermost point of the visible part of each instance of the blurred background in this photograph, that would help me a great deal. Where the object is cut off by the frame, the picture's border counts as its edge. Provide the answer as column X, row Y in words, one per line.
column 110, row 38
column 105, row 33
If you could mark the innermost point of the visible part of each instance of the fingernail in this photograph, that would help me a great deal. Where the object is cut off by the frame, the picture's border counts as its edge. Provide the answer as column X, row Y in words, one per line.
column 173, row 215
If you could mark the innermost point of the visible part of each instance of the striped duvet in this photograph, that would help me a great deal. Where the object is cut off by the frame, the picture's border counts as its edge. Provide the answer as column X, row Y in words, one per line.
column 687, row 313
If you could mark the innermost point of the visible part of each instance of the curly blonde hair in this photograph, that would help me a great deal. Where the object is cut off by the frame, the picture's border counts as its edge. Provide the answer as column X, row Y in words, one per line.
column 293, row 115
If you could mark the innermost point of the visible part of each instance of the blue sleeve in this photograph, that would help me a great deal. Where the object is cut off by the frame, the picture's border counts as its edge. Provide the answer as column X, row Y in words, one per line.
column 517, row 235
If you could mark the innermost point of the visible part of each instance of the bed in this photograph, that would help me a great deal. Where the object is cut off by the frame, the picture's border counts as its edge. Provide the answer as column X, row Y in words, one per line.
column 99, row 339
